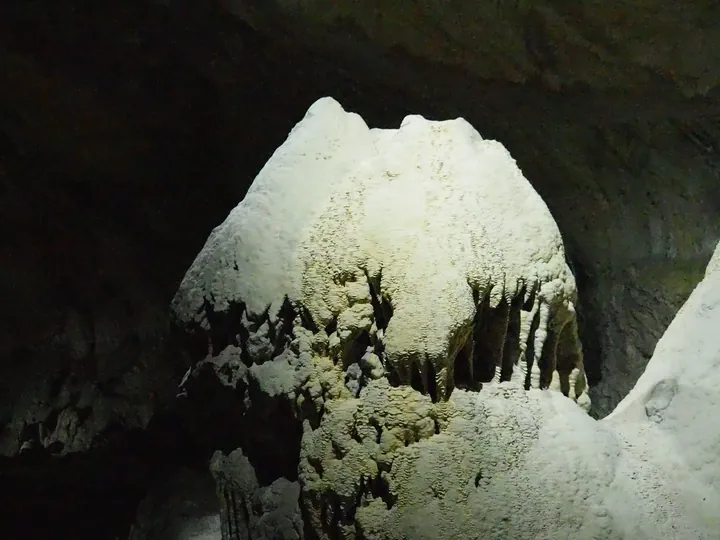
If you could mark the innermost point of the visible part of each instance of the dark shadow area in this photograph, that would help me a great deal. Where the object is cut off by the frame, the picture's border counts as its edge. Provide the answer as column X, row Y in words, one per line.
column 94, row 494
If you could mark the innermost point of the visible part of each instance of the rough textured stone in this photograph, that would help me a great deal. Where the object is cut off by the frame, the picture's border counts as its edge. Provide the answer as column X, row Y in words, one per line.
column 102, row 367
column 252, row 512
column 174, row 106
column 596, row 45
column 366, row 230
column 386, row 457
column 182, row 507
column 363, row 460
column 608, row 109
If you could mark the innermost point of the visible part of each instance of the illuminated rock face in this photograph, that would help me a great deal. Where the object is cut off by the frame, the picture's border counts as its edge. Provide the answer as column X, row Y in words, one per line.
column 423, row 247
column 374, row 281
column 441, row 227
column 384, row 303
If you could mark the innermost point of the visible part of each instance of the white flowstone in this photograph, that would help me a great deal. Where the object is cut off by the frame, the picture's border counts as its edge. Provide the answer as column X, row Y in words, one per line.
column 403, row 237
column 431, row 214
column 521, row 465
column 438, row 213
column 251, row 256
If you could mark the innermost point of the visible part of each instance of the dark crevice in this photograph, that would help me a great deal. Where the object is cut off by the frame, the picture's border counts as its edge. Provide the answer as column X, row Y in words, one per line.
column 284, row 329
column 530, row 301
column 416, row 381
column 256, row 320
column 309, row 412
column 210, row 407
column 360, row 497
column 356, row 348
column 529, row 358
column 355, row 435
column 587, row 318
column 511, row 349
column 242, row 336
column 378, row 429
column 393, row 377
column 57, row 385
column 569, row 355
column 326, row 515
column 337, row 451
column 225, row 326
column 316, row 464
column 380, row 488
column 246, row 516
column 478, row 477
column 337, row 515
column 475, row 294
column 83, row 414
column 382, row 309
column 431, row 381
column 229, row 515
column 379, row 350
column 50, row 423
column 273, row 453
column 234, row 519
column 309, row 531
column 548, row 356
column 485, row 337
column 30, row 432
column 306, row 319
column 462, row 368
column 331, row 327
column 189, row 341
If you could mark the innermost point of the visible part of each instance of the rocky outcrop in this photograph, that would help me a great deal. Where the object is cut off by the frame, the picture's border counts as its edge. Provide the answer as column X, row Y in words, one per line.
column 354, row 228
column 608, row 110
column 361, row 420
column 366, row 274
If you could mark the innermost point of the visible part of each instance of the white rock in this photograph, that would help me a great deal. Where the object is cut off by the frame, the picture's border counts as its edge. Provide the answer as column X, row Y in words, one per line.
column 429, row 217
column 431, row 214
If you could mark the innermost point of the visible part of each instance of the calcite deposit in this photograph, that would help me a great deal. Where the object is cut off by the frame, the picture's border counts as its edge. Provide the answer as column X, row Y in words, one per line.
column 392, row 353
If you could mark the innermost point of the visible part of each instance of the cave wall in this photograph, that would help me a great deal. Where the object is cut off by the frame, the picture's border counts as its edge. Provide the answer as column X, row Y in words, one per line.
column 639, row 219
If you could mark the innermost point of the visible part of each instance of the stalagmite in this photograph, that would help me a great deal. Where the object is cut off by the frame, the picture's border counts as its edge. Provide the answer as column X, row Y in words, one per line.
column 377, row 292
column 438, row 217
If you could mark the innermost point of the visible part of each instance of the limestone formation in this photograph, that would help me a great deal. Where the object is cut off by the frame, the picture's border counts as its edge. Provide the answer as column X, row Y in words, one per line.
column 391, row 337
column 249, row 511
column 181, row 506
column 424, row 248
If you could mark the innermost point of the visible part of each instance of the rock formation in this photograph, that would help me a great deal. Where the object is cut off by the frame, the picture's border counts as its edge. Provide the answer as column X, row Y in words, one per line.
column 181, row 506
column 609, row 109
column 391, row 335
column 128, row 130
